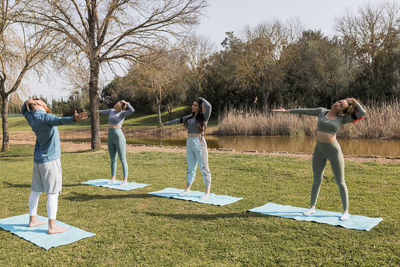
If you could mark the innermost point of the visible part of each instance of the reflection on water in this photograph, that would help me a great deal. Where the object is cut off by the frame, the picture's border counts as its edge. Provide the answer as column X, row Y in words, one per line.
column 278, row 144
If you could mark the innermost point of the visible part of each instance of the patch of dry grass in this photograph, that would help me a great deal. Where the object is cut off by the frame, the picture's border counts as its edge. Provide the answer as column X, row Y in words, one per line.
column 381, row 122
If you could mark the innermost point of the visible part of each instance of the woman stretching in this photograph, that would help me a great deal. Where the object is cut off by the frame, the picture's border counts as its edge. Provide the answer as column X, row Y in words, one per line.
column 327, row 147
column 196, row 145
column 116, row 138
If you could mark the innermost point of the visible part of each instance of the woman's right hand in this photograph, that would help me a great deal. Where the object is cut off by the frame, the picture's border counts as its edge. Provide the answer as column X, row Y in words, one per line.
column 281, row 109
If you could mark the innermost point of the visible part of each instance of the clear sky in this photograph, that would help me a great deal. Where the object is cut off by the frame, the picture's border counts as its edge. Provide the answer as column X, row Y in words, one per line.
column 233, row 15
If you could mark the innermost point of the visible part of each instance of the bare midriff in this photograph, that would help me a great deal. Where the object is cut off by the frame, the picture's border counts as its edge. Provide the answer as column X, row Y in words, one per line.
column 114, row 126
column 193, row 134
column 325, row 137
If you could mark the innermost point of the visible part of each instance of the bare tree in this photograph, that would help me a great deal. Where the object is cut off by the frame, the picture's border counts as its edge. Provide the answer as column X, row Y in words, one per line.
column 197, row 50
column 112, row 31
column 161, row 77
column 370, row 32
column 22, row 48
column 257, row 67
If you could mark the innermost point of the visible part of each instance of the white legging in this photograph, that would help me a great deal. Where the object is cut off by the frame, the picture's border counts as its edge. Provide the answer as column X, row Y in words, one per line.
column 52, row 204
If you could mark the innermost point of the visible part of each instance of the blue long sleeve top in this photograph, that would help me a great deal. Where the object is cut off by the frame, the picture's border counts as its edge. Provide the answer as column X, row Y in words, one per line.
column 192, row 127
column 117, row 118
column 44, row 125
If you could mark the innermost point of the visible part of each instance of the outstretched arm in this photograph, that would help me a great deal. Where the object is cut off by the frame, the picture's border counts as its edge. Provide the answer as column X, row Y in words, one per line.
column 281, row 110
column 53, row 120
column 178, row 120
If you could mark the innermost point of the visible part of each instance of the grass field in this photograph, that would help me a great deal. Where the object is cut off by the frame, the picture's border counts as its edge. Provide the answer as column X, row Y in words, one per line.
column 133, row 228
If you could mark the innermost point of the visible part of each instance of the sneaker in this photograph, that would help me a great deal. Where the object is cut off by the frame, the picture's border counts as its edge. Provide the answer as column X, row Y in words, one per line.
column 309, row 212
column 124, row 183
column 184, row 193
column 205, row 196
column 345, row 216
column 111, row 182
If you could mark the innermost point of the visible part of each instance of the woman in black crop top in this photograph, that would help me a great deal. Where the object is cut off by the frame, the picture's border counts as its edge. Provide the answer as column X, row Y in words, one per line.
column 327, row 148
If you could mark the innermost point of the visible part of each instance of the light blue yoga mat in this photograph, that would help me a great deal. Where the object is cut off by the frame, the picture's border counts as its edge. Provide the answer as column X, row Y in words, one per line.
column 38, row 235
column 117, row 185
column 329, row 217
column 219, row 200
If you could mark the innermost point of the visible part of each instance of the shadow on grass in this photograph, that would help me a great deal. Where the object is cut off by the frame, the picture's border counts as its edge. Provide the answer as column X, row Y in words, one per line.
column 12, row 157
column 80, row 197
column 202, row 216
column 8, row 184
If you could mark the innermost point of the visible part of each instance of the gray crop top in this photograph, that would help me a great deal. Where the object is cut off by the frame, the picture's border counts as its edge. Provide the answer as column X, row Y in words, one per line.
column 117, row 118
column 330, row 126
column 191, row 123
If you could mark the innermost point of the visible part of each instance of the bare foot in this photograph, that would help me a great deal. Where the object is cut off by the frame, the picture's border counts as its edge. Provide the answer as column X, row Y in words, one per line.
column 55, row 229
column 33, row 222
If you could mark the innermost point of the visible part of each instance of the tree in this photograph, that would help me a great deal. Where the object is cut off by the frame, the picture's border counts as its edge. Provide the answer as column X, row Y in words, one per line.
column 162, row 78
column 315, row 71
column 196, row 51
column 367, row 37
column 22, row 48
column 111, row 31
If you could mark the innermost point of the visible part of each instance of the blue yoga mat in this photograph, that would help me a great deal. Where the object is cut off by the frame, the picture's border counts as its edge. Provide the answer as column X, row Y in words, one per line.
column 219, row 200
column 38, row 235
column 355, row 221
column 117, row 185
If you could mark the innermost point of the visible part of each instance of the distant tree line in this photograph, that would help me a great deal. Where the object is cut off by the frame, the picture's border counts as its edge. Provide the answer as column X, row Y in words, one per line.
column 274, row 64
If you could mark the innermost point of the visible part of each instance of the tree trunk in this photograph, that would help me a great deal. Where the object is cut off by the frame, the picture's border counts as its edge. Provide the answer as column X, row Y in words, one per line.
column 94, row 94
column 159, row 112
column 4, row 116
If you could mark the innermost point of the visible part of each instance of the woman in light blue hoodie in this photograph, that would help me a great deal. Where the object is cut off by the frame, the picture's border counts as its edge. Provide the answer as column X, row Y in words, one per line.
column 196, row 145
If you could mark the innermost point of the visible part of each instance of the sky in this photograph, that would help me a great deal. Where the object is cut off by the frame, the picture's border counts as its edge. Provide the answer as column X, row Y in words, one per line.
column 234, row 15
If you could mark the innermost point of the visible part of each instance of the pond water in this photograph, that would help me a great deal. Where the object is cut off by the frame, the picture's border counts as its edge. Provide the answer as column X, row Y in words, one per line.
column 381, row 148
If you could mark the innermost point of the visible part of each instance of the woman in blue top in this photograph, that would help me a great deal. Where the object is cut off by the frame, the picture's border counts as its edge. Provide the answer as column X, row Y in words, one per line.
column 327, row 147
column 196, row 145
column 116, row 138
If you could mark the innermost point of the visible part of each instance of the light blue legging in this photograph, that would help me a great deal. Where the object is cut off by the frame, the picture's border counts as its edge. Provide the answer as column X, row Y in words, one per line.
column 117, row 143
column 196, row 153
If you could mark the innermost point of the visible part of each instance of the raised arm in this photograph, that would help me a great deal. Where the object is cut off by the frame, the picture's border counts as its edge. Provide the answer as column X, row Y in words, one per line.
column 206, row 108
column 178, row 120
column 24, row 108
column 359, row 112
column 129, row 110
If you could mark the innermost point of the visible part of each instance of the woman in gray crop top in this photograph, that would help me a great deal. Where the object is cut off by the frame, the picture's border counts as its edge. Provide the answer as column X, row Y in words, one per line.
column 116, row 139
column 327, row 148
column 196, row 145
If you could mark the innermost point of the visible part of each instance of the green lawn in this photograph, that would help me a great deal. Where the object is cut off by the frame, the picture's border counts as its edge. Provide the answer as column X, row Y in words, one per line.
column 133, row 228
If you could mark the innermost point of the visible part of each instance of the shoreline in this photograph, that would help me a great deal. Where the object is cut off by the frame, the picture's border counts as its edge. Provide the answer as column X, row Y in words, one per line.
column 28, row 138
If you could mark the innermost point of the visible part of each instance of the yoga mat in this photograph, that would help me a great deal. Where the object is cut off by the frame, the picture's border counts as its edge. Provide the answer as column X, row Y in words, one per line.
column 219, row 200
column 356, row 222
column 38, row 235
column 117, row 185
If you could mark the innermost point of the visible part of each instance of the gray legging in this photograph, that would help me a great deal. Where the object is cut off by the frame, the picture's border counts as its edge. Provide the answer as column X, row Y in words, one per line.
column 333, row 153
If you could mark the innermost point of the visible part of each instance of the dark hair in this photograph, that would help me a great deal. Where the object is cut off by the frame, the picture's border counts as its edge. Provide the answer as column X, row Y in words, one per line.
column 200, row 119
